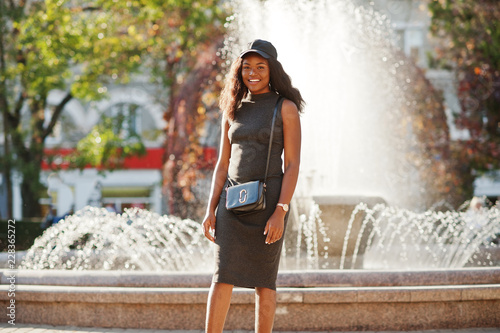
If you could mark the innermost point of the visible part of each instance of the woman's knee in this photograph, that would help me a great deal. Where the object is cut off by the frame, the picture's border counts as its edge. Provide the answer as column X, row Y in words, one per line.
column 221, row 288
column 266, row 293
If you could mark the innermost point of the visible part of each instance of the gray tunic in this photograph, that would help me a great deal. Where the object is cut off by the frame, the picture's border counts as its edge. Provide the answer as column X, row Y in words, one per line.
column 242, row 258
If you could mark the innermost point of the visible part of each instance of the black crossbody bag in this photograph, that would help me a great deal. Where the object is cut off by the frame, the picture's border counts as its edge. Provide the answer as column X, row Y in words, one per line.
column 250, row 197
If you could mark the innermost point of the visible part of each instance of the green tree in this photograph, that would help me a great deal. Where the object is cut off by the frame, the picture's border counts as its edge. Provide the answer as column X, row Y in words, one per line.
column 104, row 148
column 469, row 42
column 46, row 45
column 80, row 47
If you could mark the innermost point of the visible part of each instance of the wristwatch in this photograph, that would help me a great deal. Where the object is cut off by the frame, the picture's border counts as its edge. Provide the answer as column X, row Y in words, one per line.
column 284, row 206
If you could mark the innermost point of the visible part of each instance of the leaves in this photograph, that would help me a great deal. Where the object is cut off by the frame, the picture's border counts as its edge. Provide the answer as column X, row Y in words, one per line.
column 106, row 146
column 82, row 47
column 470, row 40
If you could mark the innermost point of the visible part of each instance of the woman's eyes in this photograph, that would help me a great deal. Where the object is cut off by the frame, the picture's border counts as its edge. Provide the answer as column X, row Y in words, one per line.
column 260, row 68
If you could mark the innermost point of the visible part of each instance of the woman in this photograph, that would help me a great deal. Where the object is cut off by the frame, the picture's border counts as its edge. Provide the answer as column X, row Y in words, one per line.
column 248, row 247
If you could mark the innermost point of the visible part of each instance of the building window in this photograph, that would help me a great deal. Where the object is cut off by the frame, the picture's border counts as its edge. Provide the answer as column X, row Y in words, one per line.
column 131, row 114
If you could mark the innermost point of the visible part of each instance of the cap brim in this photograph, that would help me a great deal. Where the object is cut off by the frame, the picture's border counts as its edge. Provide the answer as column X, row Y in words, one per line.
column 265, row 55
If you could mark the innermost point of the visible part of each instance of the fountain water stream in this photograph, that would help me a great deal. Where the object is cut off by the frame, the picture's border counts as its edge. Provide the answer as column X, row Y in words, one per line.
column 341, row 58
column 95, row 239
column 399, row 238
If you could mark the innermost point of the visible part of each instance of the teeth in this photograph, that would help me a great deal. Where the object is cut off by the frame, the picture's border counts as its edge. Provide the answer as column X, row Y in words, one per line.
column 254, row 80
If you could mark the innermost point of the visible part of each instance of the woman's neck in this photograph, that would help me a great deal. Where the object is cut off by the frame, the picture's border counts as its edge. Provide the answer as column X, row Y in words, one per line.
column 256, row 97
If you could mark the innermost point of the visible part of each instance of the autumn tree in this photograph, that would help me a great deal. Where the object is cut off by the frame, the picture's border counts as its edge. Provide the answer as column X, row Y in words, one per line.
column 184, row 47
column 469, row 43
column 422, row 106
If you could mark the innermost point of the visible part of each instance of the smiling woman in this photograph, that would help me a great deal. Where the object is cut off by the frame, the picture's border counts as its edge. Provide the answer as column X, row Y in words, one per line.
column 248, row 247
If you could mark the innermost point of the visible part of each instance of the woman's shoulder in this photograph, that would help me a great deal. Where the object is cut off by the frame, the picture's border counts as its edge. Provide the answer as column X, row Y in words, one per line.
column 289, row 109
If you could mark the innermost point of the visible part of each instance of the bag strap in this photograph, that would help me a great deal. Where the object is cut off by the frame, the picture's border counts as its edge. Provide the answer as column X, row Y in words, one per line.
column 278, row 103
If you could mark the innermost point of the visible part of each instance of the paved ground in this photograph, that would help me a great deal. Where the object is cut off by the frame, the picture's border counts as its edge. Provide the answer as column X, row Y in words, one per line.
column 25, row 328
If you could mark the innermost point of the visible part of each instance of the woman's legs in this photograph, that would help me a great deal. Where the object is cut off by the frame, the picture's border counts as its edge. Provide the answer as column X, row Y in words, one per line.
column 265, row 308
column 219, row 300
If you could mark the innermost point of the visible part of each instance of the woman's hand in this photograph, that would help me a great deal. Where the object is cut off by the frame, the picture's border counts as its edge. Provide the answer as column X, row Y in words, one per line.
column 275, row 226
column 209, row 225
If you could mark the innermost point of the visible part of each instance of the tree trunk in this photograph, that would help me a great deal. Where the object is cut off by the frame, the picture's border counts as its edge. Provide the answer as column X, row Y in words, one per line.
column 7, row 161
column 30, row 158
column 30, row 194
column 5, row 113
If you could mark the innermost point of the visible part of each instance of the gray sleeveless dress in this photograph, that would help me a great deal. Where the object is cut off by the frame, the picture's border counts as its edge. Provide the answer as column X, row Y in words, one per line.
column 241, row 255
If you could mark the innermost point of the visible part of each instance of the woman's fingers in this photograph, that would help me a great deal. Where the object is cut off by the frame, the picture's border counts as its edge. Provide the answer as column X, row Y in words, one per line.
column 273, row 234
column 208, row 225
column 209, row 235
column 269, row 235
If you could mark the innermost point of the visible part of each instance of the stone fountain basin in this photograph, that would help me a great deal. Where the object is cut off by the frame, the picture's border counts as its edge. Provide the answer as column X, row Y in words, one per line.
column 308, row 300
column 291, row 279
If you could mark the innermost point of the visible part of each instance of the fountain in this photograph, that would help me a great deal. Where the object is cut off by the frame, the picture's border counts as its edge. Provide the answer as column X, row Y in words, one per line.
column 359, row 145
column 142, row 270
column 341, row 58
column 390, row 238
column 96, row 239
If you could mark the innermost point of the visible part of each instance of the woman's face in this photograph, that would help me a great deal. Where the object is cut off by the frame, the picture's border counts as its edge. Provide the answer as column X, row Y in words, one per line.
column 255, row 73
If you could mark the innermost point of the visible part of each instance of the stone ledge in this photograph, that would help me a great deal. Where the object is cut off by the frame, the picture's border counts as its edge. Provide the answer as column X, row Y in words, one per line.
column 317, row 278
column 109, row 278
column 326, row 295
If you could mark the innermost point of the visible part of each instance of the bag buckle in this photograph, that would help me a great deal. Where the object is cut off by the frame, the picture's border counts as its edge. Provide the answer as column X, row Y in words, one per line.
column 243, row 196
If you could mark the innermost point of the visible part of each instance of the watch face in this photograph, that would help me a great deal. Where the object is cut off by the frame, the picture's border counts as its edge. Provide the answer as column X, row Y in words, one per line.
column 284, row 206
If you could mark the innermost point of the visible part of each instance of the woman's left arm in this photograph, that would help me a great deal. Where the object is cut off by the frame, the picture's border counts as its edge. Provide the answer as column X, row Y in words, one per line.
column 292, row 141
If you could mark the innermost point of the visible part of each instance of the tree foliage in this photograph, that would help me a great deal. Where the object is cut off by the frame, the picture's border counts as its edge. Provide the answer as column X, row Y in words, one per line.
column 46, row 45
column 104, row 148
column 81, row 47
column 441, row 174
column 469, row 35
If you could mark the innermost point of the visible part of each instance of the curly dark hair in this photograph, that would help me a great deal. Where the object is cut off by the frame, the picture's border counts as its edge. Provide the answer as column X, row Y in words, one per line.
column 235, row 90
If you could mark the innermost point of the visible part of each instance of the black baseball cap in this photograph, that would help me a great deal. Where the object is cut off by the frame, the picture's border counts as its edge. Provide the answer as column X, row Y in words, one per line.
column 262, row 47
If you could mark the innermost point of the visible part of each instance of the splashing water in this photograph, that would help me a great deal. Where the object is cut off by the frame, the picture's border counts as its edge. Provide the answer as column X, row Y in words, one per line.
column 399, row 238
column 305, row 232
column 94, row 238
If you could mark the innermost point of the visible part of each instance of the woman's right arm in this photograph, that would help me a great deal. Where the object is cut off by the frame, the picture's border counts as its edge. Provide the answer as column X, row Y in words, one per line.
column 218, row 180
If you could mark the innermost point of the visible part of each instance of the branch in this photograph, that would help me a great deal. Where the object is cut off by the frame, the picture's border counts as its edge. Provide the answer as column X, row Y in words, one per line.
column 55, row 116
column 88, row 8
column 3, row 85
column 18, row 143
